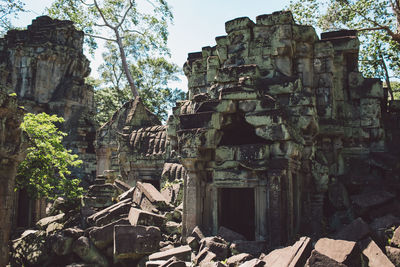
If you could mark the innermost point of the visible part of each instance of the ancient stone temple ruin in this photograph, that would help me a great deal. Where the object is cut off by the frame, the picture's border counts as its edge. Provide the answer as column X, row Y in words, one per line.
column 45, row 66
column 274, row 116
column 280, row 136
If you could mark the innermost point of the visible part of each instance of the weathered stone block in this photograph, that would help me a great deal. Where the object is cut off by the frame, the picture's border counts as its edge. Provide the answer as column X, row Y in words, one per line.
column 182, row 253
column 344, row 252
column 88, row 252
column 375, row 256
column 276, row 18
column 140, row 217
column 254, row 248
column 103, row 236
column 133, row 242
column 238, row 24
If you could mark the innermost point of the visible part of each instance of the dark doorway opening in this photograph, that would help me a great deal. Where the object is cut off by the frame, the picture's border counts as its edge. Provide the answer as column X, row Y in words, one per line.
column 237, row 210
column 240, row 132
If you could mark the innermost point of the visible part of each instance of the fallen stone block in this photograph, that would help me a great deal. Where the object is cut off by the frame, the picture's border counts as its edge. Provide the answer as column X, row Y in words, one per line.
column 215, row 245
column 182, row 253
column 104, row 235
column 342, row 251
column 393, row 254
column 253, row 263
column 92, row 218
column 376, row 258
column 62, row 241
column 229, row 235
column 295, row 255
column 133, row 242
column 254, row 248
column 113, row 214
column 355, row 231
column 198, row 234
column 88, row 252
column 319, row 260
column 43, row 223
column 126, row 195
column 147, row 191
column 212, row 264
column 174, row 262
column 193, row 243
column 238, row 259
column 204, row 256
column 140, row 217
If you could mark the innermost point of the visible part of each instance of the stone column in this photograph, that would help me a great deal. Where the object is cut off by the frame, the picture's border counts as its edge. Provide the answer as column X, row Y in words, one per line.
column 11, row 145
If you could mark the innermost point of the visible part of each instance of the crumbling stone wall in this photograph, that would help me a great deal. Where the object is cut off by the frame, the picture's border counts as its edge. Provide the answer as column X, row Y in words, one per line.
column 45, row 66
column 273, row 108
column 281, row 126
column 12, row 148
column 131, row 116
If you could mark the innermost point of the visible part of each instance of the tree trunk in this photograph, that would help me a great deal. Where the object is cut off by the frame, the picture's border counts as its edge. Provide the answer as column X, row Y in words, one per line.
column 125, row 65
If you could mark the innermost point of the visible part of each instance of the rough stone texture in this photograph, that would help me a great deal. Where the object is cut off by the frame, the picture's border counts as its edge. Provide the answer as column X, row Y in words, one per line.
column 238, row 259
column 229, row 235
column 345, row 252
column 45, row 66
column 133, row 242
column 375, row 256
column 132, row 114
column 11, row 154
column 291, row 256
column 181, row 253
column 319, row 260
column 395, row 240
column 88, row 252
column 393, row 254
column 140, row 217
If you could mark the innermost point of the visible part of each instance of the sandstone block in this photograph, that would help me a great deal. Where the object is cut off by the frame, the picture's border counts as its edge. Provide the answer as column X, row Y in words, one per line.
column 319, row 260
column 341, row 251
column 253, row 263
column 295, row 255
column 104, row 235
column 140, row 217
column 204, row 256
column 133, row 242
column 215, row 245
column 88, row 252
column 238, row 259
column 182, row 253
column 43, row 223
column 395, row 241
column 376, row 258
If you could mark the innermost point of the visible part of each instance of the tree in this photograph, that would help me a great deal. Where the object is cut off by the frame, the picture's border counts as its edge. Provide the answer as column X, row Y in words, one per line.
column 45, row 170
column 135, row 31
column 151, row 75
column 8, row 10
column 377, row 23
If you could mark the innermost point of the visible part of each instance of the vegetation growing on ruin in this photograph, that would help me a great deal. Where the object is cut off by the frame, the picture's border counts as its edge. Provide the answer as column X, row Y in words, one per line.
column 135, row 56
column 46, row 168
column 377, row 23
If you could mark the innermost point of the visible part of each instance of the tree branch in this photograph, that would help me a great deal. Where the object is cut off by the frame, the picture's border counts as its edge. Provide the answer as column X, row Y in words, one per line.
column 101, row 37
column 125, row 14
column 102, row 16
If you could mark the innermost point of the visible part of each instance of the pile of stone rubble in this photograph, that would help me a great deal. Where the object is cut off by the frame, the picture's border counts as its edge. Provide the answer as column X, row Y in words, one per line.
column 140, row 227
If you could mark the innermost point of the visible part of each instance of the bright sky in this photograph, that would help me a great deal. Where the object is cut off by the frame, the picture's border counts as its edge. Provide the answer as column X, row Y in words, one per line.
column 196, row 22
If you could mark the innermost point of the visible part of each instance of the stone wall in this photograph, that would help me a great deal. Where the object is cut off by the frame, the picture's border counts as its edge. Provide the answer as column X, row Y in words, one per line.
column 281, row 134
column 12, row 148
column 45, row 66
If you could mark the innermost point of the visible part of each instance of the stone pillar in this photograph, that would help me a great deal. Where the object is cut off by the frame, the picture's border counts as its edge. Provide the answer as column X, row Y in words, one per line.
column 11, row 145
column 103, row 159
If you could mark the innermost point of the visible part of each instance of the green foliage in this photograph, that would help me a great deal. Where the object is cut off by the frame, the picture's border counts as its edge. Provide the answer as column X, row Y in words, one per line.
column 136, row 34
column 45, row 170
column 9, row 9
column 151, row 76
column 376, row 22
